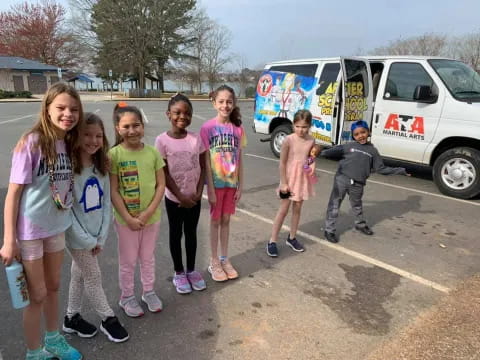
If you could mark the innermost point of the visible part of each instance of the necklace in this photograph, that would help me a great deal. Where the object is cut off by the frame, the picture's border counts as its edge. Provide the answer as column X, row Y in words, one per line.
column 68, row 200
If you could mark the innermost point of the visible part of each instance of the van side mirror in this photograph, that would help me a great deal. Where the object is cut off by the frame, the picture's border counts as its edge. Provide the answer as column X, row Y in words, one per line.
column 423, row 93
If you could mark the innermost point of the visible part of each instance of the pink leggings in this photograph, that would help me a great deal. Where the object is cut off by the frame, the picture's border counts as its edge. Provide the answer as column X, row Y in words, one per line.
column 133, row 247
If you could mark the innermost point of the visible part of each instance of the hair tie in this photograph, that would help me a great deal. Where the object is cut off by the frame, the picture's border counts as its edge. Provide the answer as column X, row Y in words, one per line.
column 122, row 104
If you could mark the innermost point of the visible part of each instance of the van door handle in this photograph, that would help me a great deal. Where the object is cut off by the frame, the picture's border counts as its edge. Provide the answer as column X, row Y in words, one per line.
column 377, row 117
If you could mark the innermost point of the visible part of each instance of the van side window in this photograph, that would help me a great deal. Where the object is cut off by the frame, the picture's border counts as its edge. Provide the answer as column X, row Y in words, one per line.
column 301, row 69
column 402, row 80
column 329, row 75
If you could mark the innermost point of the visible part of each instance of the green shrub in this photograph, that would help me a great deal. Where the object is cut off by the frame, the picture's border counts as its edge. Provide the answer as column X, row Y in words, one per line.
column 250, row 92
column 4, row 94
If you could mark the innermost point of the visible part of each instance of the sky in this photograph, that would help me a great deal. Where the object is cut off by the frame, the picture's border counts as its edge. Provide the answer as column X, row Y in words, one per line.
column 267, row 30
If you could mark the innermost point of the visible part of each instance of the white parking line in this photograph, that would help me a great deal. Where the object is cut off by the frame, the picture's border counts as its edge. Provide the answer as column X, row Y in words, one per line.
column 16, row 119
column 356, row 255
column 403, row 273
column 199, row 117
column 385, row 184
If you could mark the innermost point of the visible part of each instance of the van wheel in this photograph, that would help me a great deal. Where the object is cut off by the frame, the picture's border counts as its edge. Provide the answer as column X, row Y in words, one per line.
column 278, row 137
column 456, row 172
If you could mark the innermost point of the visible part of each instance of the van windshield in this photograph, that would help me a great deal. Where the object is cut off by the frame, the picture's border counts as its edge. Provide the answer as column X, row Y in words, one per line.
column 461, row 80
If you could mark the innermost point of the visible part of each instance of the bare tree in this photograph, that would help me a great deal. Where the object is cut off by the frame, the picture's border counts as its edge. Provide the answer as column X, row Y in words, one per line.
column 215, row 57
column 427, row 44
column 467, row 49
column 243, row 75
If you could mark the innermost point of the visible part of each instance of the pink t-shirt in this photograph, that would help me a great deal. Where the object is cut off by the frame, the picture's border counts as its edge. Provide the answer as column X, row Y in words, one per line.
column 183, row 160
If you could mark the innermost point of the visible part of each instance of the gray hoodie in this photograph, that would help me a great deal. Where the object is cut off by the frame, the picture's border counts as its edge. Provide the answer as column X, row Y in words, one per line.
column 359, row 160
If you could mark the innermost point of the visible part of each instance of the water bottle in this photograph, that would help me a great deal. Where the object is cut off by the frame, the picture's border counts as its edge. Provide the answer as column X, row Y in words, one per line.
column 18, row 285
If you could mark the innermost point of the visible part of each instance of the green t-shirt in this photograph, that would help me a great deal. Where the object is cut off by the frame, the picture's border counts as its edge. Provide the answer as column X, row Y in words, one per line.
column 136, row 172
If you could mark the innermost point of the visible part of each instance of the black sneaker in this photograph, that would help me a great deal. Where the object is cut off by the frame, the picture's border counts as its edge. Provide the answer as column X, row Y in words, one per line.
column 364, row 229
column 77, row 325
column 331, row 237
column 272, row 249
column 295, row 244
column 114, row 330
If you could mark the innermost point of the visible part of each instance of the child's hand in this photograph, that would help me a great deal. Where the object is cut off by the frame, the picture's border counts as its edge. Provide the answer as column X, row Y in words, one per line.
column 143, row 217
column 212, row 198
column 9, row 253
column 96, row 250
column 284, row 188
column 135, row 224
column 198, row 196
column 186, row 202
column 238, row 195
column 312, row 169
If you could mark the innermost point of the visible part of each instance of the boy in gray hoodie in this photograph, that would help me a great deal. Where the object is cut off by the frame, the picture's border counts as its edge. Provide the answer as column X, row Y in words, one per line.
column 359, row 158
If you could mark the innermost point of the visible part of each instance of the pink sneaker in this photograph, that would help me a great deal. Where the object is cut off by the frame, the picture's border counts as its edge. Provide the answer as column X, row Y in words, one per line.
column 216, row 270
column 229, row 269
column 196, row 280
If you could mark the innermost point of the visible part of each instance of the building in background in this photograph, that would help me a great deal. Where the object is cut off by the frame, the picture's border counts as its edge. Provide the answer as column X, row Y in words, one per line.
column 19, row 74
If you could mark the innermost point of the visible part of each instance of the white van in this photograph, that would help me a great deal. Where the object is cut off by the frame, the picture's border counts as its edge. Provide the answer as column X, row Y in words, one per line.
column 423, row 110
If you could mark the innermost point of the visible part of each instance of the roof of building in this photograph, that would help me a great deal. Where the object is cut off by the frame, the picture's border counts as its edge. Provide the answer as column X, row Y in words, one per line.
column 19, row 63
column 80, row 77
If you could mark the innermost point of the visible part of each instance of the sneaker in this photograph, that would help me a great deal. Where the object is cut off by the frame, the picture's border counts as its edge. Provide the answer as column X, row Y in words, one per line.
column 40, row 354
column 154, row 304
column 229, row 269
column 364, row 229
column 330, row 236
column 295, row 244
column 114, row 330
column 272, row 249
column 217, row 272
column 60, row 348
column 77, row 325
column 131, row 307
column 196, row 280
column 181, row 283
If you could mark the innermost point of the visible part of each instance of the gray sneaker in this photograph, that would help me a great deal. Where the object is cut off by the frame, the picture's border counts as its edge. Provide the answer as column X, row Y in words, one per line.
column 131, row 307
column 154, row 304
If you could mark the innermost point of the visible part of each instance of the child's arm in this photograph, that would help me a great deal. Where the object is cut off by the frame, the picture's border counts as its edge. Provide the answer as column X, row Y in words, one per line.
column 9, row 250
column 379, row 166
column 146, row 214
column 334, row 152
column 185, row 201
column 201, row 181
column 238, row 193
column 117, row 201
column 212, row 199
column 283, row 166
column 107, row 214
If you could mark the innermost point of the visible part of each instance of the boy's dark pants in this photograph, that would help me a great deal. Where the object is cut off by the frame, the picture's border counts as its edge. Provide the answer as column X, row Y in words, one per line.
column 343, row 185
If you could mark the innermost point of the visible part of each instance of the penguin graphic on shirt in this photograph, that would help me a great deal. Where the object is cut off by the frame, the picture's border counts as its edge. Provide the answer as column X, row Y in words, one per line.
column 91, row 195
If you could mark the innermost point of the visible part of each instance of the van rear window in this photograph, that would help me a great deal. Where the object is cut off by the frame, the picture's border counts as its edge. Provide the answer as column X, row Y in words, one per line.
column 303, row 69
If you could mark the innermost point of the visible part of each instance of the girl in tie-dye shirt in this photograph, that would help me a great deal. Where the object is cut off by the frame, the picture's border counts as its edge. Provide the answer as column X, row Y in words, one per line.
column 224, row 138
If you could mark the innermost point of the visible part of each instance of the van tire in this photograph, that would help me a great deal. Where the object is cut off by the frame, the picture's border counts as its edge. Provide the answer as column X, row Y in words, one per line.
column 278, row 136
column 456, row 172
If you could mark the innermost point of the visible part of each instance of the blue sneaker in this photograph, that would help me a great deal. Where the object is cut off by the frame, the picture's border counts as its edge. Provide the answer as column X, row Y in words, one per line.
column 59, row 347
column 272, row 249
column 295, row 244
column 181, row 283
column 39, row 354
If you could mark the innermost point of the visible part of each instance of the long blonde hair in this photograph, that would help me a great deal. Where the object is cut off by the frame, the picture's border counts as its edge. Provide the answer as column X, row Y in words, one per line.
column 45, row 129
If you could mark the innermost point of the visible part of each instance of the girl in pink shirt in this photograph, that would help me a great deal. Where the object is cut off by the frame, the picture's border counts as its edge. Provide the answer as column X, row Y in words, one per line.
column 184, row 155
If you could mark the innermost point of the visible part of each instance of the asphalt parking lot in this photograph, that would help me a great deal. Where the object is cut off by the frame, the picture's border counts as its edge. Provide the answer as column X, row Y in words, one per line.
column 331, row 302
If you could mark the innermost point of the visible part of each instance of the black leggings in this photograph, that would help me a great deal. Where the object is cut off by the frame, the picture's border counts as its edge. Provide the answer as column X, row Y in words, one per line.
column 187, row 219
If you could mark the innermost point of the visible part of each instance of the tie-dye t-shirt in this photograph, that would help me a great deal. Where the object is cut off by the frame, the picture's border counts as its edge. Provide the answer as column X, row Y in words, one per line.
column 224, row 141
column 38, row 216
column 136, row 172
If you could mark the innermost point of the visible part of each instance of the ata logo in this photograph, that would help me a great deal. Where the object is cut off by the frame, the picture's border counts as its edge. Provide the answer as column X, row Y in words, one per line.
column 405, row 126
column 411, row 124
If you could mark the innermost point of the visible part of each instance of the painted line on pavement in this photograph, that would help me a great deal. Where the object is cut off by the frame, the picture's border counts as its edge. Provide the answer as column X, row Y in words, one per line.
column 385, row 184
column 16, row 119
column 359, row 256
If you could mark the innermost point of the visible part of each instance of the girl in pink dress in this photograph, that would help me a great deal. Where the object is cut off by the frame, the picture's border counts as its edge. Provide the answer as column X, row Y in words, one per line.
column 295, row 185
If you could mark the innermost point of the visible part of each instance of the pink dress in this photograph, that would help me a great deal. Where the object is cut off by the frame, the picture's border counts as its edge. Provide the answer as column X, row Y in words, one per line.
column 297, row 178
